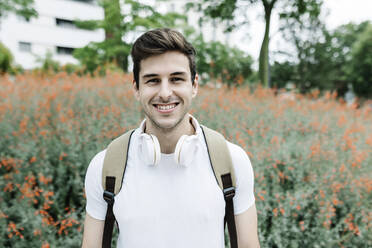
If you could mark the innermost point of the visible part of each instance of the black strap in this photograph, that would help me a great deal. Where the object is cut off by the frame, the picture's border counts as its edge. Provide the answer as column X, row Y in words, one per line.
column 109, row 195
column 229, row 192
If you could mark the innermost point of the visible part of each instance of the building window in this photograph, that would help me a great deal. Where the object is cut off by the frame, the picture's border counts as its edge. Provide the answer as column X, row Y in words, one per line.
column 87, row 1
column 65, row 23
column 24, row 46
column 65, row 50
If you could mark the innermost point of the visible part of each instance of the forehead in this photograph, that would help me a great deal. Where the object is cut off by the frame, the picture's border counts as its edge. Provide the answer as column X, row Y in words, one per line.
column 165, row 64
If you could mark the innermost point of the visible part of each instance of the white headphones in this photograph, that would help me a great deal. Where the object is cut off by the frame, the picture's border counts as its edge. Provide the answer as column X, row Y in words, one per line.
column 183, row 154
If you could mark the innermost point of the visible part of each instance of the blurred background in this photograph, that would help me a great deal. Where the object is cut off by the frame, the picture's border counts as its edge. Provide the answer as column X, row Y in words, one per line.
column 290, row 81
column 306, row 44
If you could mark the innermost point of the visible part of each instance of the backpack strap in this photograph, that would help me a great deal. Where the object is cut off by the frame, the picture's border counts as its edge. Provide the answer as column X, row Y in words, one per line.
column 114, row 165
column 223, row 170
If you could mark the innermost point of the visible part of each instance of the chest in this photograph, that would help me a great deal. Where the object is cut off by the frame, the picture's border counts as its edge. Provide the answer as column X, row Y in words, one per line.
column 169, row 194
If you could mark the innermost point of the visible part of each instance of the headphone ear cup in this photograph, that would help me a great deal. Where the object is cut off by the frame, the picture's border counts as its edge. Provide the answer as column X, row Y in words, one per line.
column 185, row 150
column 150, row 149
column 177, row 151
column 157, row 151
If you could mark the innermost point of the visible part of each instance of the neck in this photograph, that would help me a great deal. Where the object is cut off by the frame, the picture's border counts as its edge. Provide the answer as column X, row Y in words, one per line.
column 168, row 138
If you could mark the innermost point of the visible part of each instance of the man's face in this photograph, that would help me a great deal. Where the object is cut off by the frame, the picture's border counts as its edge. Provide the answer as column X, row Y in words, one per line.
column 165, row 89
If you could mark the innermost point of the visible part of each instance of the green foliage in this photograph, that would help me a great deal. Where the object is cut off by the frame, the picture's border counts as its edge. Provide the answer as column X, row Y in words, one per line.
column 86, row 24
column 71, row 68
column 17, row 69
column 295, row 10
column 222, row 11
column 292, row 11
column 321, row 61
column 360, row 68
column 48, row 64
column 216, row 61
column 117, row 26
column 96, row 55
column 6, row 59
column 19, row 7
column 282, row 73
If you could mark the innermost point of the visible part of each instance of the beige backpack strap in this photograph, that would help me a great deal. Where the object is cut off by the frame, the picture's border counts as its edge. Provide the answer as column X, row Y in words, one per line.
column 219, row 155
column 115, row 160
column 222, row 166
column 113, row 171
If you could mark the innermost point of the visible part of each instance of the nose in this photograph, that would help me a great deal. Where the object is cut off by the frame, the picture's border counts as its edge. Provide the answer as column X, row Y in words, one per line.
column 165, row 90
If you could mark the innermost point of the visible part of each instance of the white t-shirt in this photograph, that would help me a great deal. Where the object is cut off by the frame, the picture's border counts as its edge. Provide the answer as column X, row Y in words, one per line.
column 168, row 205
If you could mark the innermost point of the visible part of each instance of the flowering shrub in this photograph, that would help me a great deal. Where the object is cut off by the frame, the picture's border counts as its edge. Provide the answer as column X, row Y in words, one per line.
column 311, row 156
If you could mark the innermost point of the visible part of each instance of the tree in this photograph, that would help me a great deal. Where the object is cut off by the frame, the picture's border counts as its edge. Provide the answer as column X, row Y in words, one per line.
column 19, row 7
column 48, row 64
column 321, row 59
column 6, row 59
column 216, row 61
column 282, row 73
column 225, row 10
column 118, row 24
column 360, row 72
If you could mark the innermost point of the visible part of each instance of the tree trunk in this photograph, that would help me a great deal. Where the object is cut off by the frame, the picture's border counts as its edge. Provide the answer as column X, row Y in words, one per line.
column 263, row 69
column 112, row 17
column 113, row 33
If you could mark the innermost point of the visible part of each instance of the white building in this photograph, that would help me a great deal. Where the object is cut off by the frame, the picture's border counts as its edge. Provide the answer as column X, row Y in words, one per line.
column 212, row 31
column 53, row 30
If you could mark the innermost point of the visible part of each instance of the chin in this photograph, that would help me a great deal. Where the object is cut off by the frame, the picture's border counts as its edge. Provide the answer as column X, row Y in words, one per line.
column 166, row 124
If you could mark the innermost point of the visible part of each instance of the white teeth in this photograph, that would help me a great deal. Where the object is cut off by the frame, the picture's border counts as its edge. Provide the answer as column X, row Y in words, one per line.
column 166, row 107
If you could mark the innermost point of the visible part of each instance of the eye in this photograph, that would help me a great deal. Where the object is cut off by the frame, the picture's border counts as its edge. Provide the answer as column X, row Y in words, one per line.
column 177, row 79
column 153, row 80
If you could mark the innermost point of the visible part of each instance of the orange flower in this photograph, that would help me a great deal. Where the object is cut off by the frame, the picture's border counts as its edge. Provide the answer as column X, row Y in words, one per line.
column 275, row 211
column 8, row 187
column 45, row 245
column 62, row 156
column 2, row 215
column 274, row 140
column 327, row 223
column 37, row 232
column 342, row 168
column 43, row 179
column 33, row 160
column 302, row 225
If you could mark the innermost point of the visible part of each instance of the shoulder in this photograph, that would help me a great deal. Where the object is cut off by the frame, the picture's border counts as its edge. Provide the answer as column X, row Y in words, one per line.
column 96, row 164
column 98, row 158
column 244, row 197
column 241, row 163
column 237, row 153
column 95, row 204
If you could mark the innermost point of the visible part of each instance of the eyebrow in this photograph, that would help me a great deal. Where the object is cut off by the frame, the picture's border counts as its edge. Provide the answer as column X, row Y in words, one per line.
column 178, row 73
column 172, row 74
column 150, row 75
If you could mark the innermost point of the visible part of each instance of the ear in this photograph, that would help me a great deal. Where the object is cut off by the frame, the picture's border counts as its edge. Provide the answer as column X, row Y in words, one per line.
column 195, row 86
column 135, row 90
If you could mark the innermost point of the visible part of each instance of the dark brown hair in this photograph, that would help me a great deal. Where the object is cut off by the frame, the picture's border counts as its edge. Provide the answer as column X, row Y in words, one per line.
column 159, row 41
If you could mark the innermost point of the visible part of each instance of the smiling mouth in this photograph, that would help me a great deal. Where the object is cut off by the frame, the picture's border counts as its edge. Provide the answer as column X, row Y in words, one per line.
column 165, row 107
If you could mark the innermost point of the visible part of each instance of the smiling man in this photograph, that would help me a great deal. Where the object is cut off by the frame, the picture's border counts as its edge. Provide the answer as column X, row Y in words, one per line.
column 169, row 195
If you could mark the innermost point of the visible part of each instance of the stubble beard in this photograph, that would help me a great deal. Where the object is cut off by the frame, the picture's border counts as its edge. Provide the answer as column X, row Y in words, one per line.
column 160, row 127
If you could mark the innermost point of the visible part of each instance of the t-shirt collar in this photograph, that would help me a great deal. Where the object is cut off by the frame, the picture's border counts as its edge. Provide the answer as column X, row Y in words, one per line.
column 195, row 123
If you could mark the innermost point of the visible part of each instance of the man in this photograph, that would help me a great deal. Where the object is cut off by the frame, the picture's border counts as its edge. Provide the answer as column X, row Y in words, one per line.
column 168, row 198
